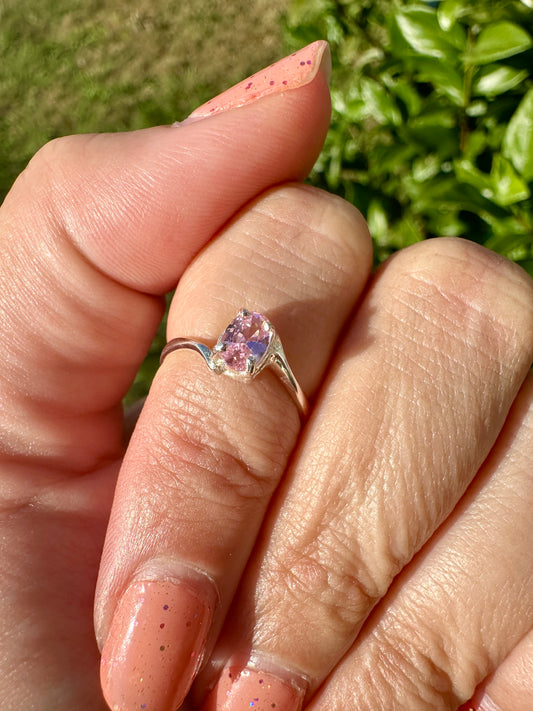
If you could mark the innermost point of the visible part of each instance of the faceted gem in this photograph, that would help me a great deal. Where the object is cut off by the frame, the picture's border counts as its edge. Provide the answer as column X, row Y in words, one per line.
column 248, row 336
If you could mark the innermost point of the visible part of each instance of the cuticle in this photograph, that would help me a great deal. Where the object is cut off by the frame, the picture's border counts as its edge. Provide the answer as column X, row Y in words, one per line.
column 178, row 573
column 268, row 664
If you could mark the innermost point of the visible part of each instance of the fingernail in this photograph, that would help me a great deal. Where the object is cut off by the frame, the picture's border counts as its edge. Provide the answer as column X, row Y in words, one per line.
column 241, row 689
column 291, row 72
column 155, row 646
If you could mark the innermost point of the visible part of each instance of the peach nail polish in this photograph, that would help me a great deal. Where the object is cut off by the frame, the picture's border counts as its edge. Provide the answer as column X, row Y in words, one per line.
column 154, row 646
column 290, row 72
column 249, row 690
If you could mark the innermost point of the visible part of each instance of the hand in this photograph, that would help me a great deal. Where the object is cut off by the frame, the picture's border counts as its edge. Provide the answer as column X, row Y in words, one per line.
column 208, row 452
column 393, row 571
column 93, row 233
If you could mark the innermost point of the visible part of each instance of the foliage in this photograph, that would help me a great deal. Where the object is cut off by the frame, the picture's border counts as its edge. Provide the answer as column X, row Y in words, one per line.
column 432, row 128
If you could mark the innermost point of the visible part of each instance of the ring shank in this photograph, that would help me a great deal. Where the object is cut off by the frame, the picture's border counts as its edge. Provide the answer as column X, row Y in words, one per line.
column 277, row 361
column 178, row 343
column 280, row 365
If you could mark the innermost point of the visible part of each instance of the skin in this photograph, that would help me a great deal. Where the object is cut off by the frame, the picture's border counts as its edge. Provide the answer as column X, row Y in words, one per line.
column 410, row 487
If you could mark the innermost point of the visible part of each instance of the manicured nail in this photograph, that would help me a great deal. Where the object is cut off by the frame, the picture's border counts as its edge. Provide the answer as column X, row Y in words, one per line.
column 243, row 689
column 154, row 646
column 289, row 73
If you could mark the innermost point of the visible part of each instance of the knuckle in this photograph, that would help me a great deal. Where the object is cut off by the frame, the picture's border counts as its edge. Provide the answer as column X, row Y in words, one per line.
column 53, row 176
column 325, row 230
column 190, row 431
column 424, row 660
column 327, row 583
column 413, row 676
column 463, row 279
column 394, row 678
column 339, row 226
column 458, row 300
column 443, row 663
column 49, row 162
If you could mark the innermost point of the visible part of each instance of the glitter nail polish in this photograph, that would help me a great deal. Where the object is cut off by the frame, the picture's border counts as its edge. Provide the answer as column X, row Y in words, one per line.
column 246, row 689
column 291, row 72
column 154, row 646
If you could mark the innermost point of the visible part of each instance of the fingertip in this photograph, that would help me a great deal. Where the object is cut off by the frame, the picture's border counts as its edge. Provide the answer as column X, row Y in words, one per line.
column 155, row 645
column 140, row 205
column 291, row 72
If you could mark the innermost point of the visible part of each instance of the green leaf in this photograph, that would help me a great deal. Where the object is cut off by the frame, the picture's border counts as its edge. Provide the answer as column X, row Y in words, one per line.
column 446, row 223
column 378, row 103
column 476, row 108
column 511, row 244
column 451, row 193
column 378, row 222
column 425, row 167
column 390, row 158
column 516, row 224
column 466, row 172
column 444, row 77
column 435, row 118
column 421, row 30
column 334, row 166
column 404, row 233
column 509, row 187
column 436, row 130
column 518, row 139
column 348, row 104
column 301, row 11
column 497, row 41
column 451, row 162
column 449, row 11
column 497, row 79
column 408, row 95
column 476, row 144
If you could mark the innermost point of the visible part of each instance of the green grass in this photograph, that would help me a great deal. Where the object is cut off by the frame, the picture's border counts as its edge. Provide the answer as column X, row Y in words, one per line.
column 76, row 66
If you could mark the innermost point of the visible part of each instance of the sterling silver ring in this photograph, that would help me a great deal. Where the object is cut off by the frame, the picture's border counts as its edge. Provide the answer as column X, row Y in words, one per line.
column 248, row 345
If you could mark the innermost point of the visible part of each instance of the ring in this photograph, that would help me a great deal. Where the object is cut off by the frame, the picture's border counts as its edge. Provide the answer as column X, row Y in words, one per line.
column 248, row 345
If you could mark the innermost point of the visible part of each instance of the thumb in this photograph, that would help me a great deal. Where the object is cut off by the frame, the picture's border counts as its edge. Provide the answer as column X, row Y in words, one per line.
column 98, row 225
column 139, row 205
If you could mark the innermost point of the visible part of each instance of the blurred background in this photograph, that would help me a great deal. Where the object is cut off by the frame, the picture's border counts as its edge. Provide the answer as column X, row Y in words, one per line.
column 432, row 126
column 78, row 66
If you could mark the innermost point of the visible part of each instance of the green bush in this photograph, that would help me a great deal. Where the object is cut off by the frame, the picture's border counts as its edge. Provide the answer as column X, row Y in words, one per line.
column 432, row 128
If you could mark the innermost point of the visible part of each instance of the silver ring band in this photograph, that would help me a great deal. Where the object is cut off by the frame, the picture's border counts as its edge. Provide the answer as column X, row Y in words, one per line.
column 248, row 345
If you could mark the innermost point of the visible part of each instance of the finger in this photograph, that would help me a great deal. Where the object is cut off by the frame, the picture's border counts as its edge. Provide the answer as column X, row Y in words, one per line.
column 98, row 227
column 417, row 395
column 510, row 688
column 208, row 451
column 462, row 605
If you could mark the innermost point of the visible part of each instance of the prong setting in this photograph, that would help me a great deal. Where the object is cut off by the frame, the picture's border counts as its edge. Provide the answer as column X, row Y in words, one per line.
column 248, row 345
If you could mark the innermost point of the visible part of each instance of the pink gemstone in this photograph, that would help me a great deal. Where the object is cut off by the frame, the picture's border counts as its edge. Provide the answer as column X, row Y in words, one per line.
column 247, row 336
